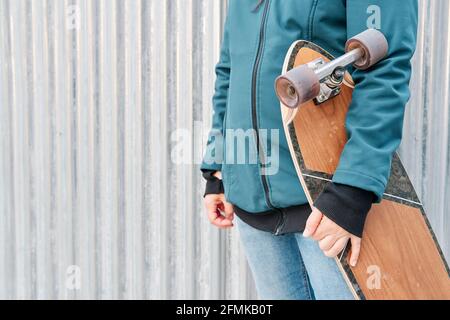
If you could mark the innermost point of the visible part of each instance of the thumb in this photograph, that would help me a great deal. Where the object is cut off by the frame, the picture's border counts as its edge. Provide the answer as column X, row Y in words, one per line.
column 356, row 248
column 229, row 210
column 312, row 223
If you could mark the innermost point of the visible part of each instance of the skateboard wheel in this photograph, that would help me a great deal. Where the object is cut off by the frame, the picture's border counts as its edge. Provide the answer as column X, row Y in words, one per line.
column 297, row 86
column 374, row 45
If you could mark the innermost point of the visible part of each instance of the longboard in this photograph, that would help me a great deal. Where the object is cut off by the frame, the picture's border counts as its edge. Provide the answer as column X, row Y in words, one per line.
column 400, row 257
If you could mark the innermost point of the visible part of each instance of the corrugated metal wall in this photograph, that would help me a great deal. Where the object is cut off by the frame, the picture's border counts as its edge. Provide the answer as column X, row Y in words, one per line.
column 426, row 145
column 88, row 106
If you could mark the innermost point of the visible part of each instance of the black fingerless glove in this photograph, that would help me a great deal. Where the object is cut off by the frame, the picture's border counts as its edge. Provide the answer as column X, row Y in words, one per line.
column 345, row 205
column 213, row 184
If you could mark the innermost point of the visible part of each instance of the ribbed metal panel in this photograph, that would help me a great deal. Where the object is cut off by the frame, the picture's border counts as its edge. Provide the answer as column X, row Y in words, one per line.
column 425, row 150
column 89, row 113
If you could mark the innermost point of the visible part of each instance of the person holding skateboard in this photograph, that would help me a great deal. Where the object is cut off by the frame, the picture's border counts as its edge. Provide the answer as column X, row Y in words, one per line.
column 288, row 247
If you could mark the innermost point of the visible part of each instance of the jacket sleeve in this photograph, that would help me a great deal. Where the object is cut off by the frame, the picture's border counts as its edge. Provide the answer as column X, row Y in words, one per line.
column 213, row 157
column 375, row 119
column 213, row 184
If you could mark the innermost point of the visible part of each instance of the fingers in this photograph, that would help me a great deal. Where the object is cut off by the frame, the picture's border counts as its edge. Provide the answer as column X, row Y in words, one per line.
column 337, row 247
column 325, row 228
column 228, row 210
column 328, row 227
column 214, row 205
column 215, row 218
column 356, row 249
column 214, row 215
column 219, row 220
column 331, row 237
column 327, row 243
column 312, row 223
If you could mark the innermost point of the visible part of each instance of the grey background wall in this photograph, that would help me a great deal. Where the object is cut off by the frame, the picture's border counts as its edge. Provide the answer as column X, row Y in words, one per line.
column 91, row 203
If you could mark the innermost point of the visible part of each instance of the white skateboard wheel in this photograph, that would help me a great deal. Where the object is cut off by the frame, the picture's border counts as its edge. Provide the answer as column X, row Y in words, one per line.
column 374, row 45
column 297, row 86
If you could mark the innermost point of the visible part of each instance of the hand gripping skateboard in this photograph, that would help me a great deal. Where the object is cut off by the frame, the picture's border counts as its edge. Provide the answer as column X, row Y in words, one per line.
column 400, row 257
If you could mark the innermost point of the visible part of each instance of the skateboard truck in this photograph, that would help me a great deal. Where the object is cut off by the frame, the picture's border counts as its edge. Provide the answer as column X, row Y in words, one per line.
column 320, row 80
column 330, row 85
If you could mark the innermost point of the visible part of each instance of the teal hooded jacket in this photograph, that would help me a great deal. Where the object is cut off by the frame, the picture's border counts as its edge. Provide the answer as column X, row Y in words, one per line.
column 254, row 46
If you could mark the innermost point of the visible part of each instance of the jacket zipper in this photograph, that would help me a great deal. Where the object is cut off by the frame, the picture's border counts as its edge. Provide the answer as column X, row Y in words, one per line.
column 254, row 111
column 255, row 115
column 282, row 222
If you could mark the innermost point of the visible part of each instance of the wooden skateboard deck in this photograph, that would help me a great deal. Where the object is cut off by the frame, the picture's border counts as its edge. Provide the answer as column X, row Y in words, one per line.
column 400, row 257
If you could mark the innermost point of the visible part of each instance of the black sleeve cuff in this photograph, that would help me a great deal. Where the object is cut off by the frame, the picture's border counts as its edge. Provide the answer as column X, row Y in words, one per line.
column 213, row 185
column 346, row 205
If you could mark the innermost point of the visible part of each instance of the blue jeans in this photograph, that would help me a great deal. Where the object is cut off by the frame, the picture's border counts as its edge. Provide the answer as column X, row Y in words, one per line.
column 291, row 267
